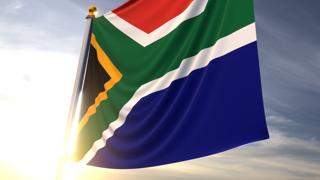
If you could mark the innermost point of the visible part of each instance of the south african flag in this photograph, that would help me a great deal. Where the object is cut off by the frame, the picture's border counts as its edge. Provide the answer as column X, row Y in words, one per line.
column 169, row 81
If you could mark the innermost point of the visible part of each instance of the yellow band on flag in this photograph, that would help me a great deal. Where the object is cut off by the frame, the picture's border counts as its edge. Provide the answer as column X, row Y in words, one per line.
column 115, row 76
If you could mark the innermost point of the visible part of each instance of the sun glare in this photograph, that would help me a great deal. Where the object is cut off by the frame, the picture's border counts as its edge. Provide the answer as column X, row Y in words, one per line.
column 35, row 95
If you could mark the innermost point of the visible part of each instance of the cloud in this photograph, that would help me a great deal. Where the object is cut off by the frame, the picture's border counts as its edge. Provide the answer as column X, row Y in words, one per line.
column 55, row 25
column 13, row 7
column 39, row 27
column 288, row 41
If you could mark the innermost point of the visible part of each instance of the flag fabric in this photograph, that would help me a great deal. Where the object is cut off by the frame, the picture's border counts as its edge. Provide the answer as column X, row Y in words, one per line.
column 169, row 81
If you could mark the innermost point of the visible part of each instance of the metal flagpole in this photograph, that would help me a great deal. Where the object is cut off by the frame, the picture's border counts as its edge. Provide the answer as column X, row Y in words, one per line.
column 78, row 86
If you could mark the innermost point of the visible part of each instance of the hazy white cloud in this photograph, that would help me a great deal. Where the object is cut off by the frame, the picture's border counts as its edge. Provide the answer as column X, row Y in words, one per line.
column 13, row 7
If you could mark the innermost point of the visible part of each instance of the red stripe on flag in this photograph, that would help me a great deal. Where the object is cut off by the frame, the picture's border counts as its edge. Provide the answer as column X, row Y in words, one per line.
column 149, row 15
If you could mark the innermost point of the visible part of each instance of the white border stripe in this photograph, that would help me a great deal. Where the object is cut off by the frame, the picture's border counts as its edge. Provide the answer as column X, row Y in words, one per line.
column 222, row 47
column 195, row 8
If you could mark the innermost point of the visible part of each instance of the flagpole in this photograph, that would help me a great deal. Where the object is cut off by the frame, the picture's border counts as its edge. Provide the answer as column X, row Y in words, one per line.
column 77, row 88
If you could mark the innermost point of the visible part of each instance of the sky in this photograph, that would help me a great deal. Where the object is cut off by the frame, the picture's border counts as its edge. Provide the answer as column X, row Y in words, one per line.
column 40, row 43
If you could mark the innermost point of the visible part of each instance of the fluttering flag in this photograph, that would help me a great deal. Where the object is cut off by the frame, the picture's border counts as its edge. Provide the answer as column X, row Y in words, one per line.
column 169, row 81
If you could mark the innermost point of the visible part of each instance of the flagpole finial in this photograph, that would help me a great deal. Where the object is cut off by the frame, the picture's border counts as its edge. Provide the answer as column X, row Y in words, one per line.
column 92, row 10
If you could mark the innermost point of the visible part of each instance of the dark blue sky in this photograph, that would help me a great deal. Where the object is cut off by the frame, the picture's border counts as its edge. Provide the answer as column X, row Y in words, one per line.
column 289, row 49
